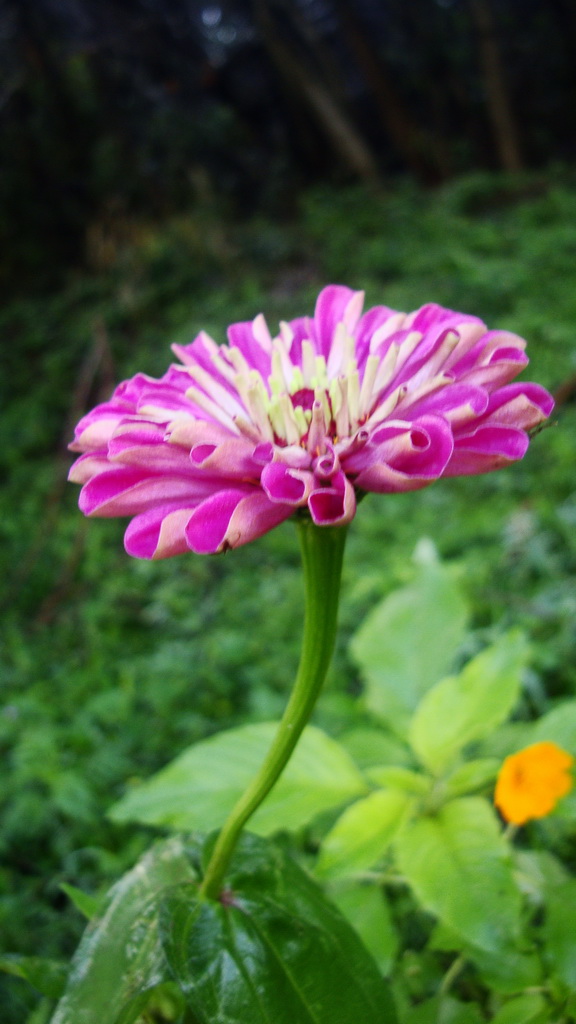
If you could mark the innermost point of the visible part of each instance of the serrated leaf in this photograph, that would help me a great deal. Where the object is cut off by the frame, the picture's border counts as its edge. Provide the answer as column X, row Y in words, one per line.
column 408, row 642
column 363, row 833
column 120, row 960
column 464, row 708
column 367, row 910
column 273, row 950
column 47, row 976
column 459, row 867
column 199, row 788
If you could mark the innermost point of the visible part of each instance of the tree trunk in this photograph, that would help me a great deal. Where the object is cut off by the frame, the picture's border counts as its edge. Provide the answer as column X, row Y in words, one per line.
column 345, row 139
column 499, row 108
column 416, row 149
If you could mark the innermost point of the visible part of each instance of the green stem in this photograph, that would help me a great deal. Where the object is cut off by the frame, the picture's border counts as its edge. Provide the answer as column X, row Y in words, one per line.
column 322, row 550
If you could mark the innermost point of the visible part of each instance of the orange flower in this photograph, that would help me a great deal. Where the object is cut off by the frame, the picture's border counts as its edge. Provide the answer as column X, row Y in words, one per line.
column 531, row 782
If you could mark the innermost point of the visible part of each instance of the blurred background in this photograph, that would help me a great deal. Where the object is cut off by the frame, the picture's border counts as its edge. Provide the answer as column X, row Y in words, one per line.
column 173, row 165
column 112, row 111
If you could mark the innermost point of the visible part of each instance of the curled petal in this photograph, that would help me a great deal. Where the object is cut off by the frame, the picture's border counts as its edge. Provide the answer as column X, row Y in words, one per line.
column 158, row 533
column 230, row 518
column 286, row 485
column 87, row 466
column 232, row 459
column 485, row 449
column 127, row 490
column 518, row 405
column 334, row 505
column 409, row 459
column 188, row 431
column 96, row 428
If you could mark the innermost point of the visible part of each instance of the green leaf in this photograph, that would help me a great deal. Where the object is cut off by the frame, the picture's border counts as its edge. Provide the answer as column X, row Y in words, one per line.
column 119, row 959
column 408, row 642
column 199, row 788
column 507, row 972
column 87, row 905
column 471, row 776
column 443, row 1010
column 367, row 910
column 559, row 932
column 363, row 833
column 375, row 746
column 399, row 778
column 559, row 725
column 47, row 976
column 272, row 950
column 525, row 1009
column 459, row 867
column 464, row 708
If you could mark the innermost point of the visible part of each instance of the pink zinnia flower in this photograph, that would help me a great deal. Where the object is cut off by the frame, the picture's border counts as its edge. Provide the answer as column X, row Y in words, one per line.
column 238, row 437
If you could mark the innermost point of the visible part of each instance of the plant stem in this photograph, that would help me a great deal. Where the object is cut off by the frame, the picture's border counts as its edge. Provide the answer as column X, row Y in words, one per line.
column 322, row 550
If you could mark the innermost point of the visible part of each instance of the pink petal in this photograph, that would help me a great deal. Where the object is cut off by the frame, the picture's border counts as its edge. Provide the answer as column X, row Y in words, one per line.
column 232, row 459
column 486, row 449
column 370, row 322
column 335, row 304
column 158, row 533
column 88, row 466
column 127, row 490
column 242, row 336
column 231, row 518
column 96, row 428
column 456, row 402
column 519, row 405
column 410, row 460
column 334, row 505
column 286, row 485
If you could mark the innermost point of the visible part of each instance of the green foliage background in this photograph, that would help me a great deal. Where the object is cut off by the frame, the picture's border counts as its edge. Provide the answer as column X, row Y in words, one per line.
column 109, row 667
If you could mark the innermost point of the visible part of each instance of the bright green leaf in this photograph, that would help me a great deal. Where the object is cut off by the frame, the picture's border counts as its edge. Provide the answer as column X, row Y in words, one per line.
column 367, row 910
column 119, row 960
column 275, row 951
column 471, row 776
column 363, row 833
column 399, row 778
column 559, row 725
column 524, row 1009
column 408, row 642
column 199, row 788
column 375, row 746
column 459, row 868
column 464, row 708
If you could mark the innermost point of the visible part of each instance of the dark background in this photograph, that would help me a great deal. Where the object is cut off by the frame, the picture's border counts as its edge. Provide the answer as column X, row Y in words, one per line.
column 116, row 108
